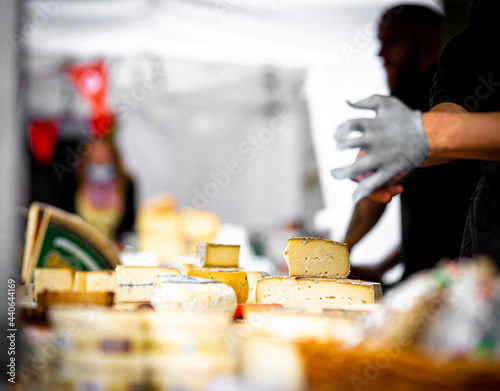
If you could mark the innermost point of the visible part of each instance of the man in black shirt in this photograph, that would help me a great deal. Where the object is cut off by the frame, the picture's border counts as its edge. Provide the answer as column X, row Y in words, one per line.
column 467, row 84
column 468, row 79
column 410, row 47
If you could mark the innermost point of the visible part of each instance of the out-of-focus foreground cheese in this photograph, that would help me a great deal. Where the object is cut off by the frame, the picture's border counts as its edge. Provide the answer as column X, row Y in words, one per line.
column 270, row 356
column 192, row 294
column 135, row 283
column 316, row 257
column 236, row 279
column 53, row 279
column 101, row 281
column 217, row 255
column 314, row 294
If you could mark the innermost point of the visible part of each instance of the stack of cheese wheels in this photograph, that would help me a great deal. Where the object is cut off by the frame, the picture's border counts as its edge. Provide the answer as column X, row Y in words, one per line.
column 101, row 349
column 318, row 270
column 187, row 350
column 220, row 262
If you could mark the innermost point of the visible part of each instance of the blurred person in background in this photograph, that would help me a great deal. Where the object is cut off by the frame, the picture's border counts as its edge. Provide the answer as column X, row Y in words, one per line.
column 104, row 194
column 411, row 42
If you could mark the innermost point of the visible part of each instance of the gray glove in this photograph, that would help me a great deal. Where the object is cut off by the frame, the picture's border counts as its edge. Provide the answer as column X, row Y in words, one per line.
column 394, row 141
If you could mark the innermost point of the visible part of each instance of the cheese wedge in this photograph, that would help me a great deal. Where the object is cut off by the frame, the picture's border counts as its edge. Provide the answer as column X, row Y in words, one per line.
column 80, row 281
column 316, row 257
column 53, row 279
column 236, row 279
column 192, row 294
column 314, row 294
column 102, row 281
column 253, row 278
column 135, row 283
column 217, row 255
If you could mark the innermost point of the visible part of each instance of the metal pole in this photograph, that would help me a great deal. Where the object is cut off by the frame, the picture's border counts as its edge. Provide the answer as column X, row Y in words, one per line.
column 10, row 169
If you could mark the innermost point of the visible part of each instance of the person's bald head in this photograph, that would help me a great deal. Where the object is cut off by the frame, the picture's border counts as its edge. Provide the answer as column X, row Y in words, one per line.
column 405, row 30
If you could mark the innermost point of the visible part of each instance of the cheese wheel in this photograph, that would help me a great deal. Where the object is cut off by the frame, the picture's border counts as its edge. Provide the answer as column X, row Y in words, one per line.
column 192, row 294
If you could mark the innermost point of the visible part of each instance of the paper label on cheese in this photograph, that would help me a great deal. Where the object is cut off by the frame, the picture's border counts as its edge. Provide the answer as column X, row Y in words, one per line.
column 317, row 257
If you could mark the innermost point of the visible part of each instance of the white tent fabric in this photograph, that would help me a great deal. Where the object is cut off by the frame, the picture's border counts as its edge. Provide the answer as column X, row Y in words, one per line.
column 334, row 42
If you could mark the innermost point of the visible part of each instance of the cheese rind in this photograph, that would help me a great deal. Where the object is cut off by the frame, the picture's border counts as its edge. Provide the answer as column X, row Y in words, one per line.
column 253, row 278
column 316, row 257
column 192, row 294
column 217, row 255
column 53, row 279
column 236, row 279
column 314, row 294
column 135, row 283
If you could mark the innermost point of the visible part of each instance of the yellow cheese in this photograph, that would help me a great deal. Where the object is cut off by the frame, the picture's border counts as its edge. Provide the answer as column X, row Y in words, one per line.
column 316, row 257
column 52, row 297
column 53, row 279
column 236, row 279
column 80, row 283
column 217, row 255
column 314, row 294
column 101, row 281
column 135, row 283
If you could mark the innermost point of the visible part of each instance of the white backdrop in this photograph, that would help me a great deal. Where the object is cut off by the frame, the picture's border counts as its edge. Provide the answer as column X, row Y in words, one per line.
column 332, row 42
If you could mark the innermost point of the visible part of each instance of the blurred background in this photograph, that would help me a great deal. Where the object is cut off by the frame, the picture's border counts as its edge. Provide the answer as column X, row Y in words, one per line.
column 225, row 106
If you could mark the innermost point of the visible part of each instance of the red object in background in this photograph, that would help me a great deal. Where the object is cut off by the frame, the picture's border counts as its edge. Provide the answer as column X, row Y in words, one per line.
column 43, row 135
column 91, row 81
column 102, row 126
column 238, row 314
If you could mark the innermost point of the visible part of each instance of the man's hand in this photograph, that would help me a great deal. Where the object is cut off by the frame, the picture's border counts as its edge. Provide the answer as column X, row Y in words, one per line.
column 394, row 141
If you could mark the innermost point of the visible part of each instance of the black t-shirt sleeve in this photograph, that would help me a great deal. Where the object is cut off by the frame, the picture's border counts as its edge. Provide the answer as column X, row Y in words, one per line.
column 453, row 77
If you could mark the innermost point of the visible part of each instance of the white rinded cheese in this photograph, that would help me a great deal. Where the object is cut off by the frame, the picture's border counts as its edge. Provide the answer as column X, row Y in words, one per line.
column 314, row 294
column 217, row 255
column 135, row 283
column 192, row 294
column 316, row 257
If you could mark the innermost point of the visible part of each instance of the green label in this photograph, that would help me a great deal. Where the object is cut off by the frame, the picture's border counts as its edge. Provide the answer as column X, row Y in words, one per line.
column 62, row 248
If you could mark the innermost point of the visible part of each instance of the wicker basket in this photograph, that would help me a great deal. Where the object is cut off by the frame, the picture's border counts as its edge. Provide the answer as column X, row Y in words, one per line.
column 329, row 367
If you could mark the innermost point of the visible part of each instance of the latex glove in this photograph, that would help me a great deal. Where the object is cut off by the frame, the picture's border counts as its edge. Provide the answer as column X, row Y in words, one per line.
column 394, row 141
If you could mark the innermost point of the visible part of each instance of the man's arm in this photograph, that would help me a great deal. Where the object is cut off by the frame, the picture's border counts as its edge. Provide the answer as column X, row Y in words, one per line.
column 462, row 135
column 375, row 272
column 365, row 215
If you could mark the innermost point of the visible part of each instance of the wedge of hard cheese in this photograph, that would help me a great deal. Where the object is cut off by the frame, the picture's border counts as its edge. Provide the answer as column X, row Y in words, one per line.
column 135, row 283
column 54, row 279
column 314, row 294
column 217, row 255
column 236, row 279
column 316, row 257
